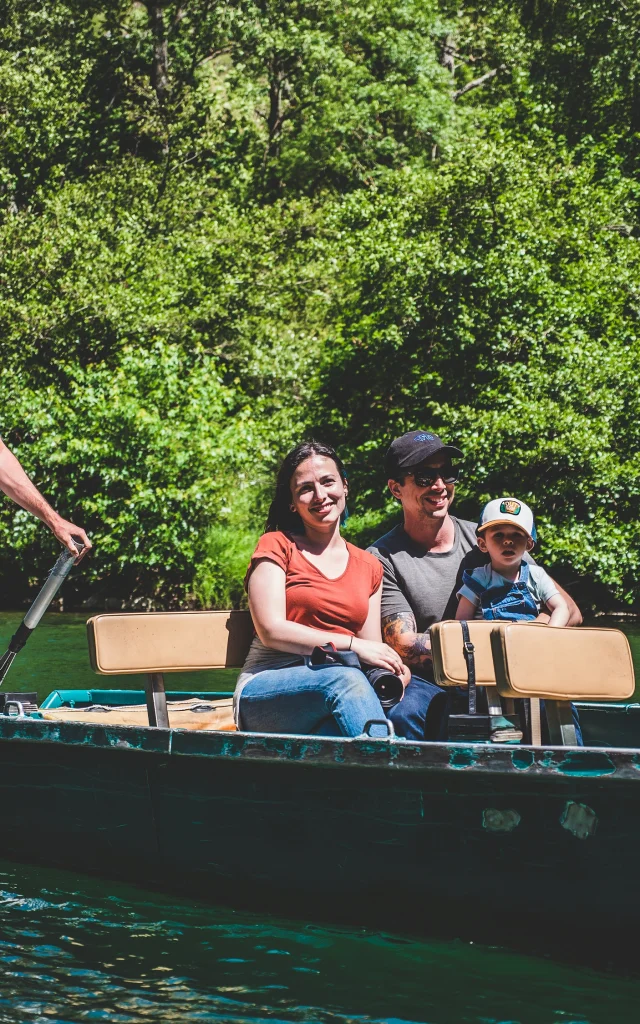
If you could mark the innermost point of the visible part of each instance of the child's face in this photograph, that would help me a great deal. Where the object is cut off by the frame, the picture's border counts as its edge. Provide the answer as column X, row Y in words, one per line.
column 505, row 545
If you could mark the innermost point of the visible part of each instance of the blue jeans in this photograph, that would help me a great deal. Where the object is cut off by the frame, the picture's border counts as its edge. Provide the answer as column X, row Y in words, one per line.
column 321, row 700
column 423, row 712
column 419, row 713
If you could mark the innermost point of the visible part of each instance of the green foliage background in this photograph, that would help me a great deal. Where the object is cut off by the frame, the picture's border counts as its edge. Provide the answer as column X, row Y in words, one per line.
column 227, row 226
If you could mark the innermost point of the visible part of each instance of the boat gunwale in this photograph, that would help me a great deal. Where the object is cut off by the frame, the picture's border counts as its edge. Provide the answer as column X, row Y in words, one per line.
column 611, row 763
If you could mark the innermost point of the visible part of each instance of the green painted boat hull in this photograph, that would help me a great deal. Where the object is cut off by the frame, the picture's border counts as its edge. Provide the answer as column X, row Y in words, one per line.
column 474, row 839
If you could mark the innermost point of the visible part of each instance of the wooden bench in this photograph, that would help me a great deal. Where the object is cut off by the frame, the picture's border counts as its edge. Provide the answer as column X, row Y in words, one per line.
column 536, row 662
column 560, row 666
column 450, row 668
column 512, row 660
column 156, row 643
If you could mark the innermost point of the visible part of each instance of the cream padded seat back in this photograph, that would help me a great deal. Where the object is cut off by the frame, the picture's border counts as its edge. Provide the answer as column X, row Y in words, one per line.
column 562, row 664
column 158, row 642
column 447, row 650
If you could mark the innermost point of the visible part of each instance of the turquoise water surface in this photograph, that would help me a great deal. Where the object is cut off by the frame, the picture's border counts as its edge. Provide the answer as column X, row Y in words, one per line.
column 83, row 949
column 80, row 949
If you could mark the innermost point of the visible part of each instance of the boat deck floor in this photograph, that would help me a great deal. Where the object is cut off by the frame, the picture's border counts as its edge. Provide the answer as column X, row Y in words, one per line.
column 191, row 714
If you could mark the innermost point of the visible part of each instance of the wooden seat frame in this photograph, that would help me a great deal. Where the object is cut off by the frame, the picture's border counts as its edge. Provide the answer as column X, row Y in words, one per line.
column 155, row 643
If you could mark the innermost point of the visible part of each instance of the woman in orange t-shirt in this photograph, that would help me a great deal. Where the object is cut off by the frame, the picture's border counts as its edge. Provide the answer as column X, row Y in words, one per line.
column 308, row 587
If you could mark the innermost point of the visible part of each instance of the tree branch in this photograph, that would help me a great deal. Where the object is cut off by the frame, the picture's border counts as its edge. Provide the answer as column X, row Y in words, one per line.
column 477, row 82
column 215, row 53
column 448, row 54
column 629, row 231
column 160, row 64
column 180, row 14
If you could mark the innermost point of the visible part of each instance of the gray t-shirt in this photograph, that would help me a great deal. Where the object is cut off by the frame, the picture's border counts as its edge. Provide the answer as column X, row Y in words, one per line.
column 424, row 582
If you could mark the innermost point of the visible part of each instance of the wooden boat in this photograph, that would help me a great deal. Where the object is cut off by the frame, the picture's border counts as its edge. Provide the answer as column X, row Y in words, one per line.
column 480, row 839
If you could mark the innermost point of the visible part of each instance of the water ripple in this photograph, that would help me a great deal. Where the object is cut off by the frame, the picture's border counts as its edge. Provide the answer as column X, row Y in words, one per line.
column 97, row 951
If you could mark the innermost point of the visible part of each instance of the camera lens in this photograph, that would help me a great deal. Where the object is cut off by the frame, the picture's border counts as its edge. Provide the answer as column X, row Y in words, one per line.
column 388, row 688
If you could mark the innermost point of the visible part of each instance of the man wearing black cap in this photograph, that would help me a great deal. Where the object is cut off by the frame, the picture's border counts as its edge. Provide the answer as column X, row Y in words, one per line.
column 422, row 559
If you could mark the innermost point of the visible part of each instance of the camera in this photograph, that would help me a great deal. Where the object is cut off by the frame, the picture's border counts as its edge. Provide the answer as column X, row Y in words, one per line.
column 387, row 687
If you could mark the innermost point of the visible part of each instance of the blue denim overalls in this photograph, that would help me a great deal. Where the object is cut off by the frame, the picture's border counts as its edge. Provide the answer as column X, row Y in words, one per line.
column 513, row 601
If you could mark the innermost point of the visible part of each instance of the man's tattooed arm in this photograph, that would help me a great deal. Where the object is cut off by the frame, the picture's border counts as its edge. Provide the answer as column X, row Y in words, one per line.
column 400, row 632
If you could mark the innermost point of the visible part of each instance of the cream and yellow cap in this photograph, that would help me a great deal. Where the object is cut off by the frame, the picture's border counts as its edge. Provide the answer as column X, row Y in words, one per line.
column 508, row 510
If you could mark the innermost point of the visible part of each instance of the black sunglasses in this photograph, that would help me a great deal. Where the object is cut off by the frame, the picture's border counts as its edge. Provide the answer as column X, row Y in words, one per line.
column 427, row 477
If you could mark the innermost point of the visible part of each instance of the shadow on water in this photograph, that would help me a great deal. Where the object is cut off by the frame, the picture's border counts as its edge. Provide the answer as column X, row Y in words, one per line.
column 81, row 950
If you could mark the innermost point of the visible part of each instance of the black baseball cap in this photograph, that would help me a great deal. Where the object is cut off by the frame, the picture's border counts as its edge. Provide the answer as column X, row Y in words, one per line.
column 413, row 448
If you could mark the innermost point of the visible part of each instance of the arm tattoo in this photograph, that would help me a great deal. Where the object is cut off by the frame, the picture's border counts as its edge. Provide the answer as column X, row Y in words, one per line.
column 400, row 632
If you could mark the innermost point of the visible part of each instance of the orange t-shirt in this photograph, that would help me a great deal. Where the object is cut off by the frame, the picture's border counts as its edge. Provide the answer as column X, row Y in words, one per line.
column 340, row 605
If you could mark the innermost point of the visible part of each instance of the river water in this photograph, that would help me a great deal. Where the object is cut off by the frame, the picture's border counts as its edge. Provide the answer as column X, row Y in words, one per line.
column 84, row 949
column 80, row 949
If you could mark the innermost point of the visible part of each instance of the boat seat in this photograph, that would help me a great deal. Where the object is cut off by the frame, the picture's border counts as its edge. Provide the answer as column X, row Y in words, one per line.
column 447, row 651
column 534, row 662
column 450, row 669
column 560, row 666
column 154, row 643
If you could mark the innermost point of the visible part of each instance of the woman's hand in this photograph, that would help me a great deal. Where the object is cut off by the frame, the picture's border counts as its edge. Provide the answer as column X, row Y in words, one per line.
column 380, row 655
column 406, row 675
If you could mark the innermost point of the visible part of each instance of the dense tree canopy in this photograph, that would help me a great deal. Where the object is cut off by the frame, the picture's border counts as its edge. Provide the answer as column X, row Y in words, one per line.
column 225, row 226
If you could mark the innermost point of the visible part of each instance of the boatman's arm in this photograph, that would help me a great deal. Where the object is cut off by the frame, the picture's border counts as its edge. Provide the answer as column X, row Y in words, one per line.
column 17, row 485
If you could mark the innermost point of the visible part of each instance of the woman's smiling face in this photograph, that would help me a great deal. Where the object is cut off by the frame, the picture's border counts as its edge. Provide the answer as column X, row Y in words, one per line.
column 318, row 492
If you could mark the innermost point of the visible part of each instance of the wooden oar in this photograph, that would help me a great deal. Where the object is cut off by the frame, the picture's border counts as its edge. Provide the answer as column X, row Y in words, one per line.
column 52, row 585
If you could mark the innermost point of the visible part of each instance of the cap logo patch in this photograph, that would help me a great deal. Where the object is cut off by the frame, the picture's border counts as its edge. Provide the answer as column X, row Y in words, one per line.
column 424, row 437
column 512, row 507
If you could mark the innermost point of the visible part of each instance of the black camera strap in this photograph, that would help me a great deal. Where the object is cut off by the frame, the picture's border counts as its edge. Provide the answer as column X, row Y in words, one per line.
column 328, row 655
column 469, row 657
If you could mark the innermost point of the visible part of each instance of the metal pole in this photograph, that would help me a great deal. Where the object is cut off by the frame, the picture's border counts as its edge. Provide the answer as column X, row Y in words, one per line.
column 51, row 586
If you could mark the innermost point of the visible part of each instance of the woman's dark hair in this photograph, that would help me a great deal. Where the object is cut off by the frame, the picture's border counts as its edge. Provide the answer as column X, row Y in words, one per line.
column 280, row 516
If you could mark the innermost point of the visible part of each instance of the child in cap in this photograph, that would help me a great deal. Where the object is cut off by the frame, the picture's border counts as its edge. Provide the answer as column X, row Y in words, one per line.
column 508, row 587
